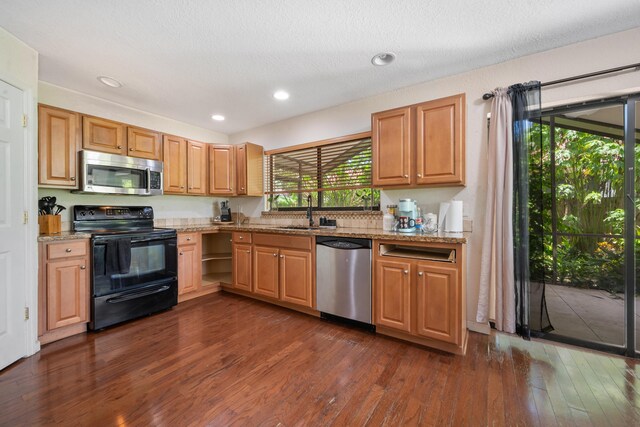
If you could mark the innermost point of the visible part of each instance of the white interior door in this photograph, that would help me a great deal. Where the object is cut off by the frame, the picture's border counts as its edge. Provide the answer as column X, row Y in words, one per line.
column 13, row 232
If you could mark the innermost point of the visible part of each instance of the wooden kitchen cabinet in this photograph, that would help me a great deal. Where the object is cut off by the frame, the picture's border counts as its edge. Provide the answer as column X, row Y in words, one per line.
column 63, row 289
column 393, row 294
column 296, row 277
column 266, row 268
column 419, row 293
column 189, row 263
column 242, row 267
column 175, row 164
column 143, row 143
column 59, row 141
column 420, row 145
column 197, row 172
column 104, row 135
column 221, row 169
column 249, row 165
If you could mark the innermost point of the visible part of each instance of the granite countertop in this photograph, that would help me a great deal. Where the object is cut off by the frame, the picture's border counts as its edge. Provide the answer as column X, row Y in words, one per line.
column 64, row 235
column 365, row 233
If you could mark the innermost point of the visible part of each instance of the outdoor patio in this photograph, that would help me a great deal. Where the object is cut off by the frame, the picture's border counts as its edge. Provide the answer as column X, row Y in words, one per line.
column 588, row 314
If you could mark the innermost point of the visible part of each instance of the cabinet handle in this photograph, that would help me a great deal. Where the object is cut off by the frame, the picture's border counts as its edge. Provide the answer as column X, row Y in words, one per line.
column 281, row 256
column 406, row 176
column 190, row 188
column 248, row 252
column 67, row 250
column 73, row 178
column 406, row 272
column 180, row 253
column 188, row 239
column 275, row 254
column 419, row 175
column 420, row 273
column 182, row 186
column 240, row 237
column 119, row 146
column 83, row 267
column 242, row 188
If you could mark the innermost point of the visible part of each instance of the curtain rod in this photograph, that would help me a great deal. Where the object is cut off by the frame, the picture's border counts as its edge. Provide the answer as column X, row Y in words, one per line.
column 580, row 77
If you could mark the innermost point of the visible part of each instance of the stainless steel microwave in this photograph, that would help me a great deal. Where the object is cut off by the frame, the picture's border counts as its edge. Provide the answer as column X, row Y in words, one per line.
column 113, row 174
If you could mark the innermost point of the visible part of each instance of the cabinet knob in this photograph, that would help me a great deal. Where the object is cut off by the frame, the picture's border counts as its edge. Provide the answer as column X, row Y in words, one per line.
column 275, row 254
column 83, row 267
column 240, row 237
column 119, row 146
column 67, row 250
column 406, row 272
column 420, row 273
column 180, row 253
column 190, row 188
column 188, row 239
column 248, row 252
column 406, row 176
column 242, row 188
column 73, row 178
column 182, row 186
column 419, row 175
column 281, row 256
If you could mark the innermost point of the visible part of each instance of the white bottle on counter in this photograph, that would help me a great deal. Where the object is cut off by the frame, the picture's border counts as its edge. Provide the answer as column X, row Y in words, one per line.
column 388, row 222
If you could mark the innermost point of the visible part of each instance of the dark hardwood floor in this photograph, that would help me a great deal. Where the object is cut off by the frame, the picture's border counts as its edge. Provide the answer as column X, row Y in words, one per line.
column 226, row 360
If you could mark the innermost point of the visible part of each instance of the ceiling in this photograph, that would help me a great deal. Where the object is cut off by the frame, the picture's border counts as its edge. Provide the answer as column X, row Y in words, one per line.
column 189, row 59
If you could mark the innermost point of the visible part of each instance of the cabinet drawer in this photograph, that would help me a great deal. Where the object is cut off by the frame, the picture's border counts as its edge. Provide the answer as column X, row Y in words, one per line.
column 66, row 249
column 283, row 241
column 241, row 237
column 187, row 238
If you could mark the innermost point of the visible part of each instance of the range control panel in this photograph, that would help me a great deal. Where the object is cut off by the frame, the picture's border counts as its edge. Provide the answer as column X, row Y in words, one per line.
column 89, row 213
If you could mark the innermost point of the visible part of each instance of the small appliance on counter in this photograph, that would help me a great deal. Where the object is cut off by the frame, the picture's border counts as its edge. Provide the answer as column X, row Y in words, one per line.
column 407, row 214
column 225, row 211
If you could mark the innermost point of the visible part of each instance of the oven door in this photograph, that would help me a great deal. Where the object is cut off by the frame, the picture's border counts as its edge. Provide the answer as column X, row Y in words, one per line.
column 154, row 259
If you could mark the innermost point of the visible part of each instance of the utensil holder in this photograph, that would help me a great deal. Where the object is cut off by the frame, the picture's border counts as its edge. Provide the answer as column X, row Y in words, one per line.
column 50, row 224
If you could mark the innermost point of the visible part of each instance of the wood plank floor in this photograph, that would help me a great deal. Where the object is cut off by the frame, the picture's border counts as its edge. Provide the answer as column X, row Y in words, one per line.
column 226, row 360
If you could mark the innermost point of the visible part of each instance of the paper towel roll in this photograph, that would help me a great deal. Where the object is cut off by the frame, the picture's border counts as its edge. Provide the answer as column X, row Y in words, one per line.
column 453, row 223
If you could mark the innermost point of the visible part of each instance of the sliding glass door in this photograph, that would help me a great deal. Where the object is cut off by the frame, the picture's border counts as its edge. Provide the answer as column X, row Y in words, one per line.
column 586, row 217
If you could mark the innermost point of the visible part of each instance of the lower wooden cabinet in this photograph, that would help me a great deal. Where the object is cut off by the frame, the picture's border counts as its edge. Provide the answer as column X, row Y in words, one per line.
column 189, row 263
column 242, row 267
column 419, row 293
column 266, row 271
column 296, row 277
column 63, row 289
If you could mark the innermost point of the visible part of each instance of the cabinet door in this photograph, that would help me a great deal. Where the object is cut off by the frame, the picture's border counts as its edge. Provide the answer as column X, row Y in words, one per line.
column 175, row 162
column 221, row 180
column 189, row 264
column 242, row 267
column 196, row 167
column 67, row 292
column 391, row 139
column 296, row 279
column 103, row 135
column 265, row 271
column 440, row 141
column 58, row 145
column 143, row 143
column 241, row 169
column 393, row 294
column 438, row 303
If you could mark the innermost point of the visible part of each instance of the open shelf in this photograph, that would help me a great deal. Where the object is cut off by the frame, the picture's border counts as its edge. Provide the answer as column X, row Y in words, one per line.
column 216, row 256
column 213, row 279
column 428, row 254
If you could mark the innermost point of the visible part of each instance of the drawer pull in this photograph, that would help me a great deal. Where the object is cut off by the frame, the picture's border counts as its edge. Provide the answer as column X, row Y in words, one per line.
column 188, row 239
column 83, row 267
column 67, row 250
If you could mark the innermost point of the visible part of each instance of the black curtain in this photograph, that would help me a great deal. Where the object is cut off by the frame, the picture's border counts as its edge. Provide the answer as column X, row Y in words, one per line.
column 531, row 308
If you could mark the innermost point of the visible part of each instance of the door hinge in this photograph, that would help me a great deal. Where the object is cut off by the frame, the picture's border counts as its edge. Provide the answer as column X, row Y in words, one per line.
column 24, row 120
column 26, row 313
column 25, row 217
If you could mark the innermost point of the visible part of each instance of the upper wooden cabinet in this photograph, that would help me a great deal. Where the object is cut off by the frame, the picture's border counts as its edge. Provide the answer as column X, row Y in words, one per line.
column 197, row 171
column 249, row 169
column 221, row 169
column 58, row 144
column 143, row 143
column 175, row 163
column 420, row 145
column 103, row 135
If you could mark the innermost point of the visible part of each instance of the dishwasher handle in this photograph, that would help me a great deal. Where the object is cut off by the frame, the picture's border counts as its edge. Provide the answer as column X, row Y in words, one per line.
column 343, row 243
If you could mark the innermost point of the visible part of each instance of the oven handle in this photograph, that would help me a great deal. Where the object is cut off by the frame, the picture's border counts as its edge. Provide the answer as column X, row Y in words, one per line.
column 136, row 239
column 136, row 295
column 148, row 181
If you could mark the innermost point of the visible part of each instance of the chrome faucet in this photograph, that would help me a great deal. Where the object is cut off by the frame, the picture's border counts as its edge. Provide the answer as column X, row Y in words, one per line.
column 309, row 211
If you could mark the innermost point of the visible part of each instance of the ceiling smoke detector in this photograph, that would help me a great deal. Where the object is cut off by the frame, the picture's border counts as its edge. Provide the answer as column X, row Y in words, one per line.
column 384, row 58
column 218, row 117
column 109, row 81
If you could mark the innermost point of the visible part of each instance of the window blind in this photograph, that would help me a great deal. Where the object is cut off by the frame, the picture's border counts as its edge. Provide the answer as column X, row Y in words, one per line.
column 337, row 166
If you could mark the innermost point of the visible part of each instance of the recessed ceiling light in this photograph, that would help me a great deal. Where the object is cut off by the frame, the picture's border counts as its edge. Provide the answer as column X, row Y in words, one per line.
column 109, row 81
column 281, row 95
column 384, row 58
column 218, row 117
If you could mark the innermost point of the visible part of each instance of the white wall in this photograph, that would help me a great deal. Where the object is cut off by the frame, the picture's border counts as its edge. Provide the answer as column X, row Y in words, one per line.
column 605, row 52
column 19, row 67
column 164, row 206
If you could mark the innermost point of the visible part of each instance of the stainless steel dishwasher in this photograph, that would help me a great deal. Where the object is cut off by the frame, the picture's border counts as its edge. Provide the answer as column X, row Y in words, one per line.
column 343, row 278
